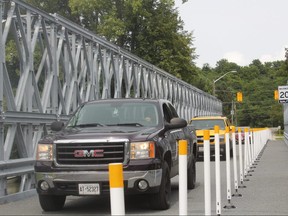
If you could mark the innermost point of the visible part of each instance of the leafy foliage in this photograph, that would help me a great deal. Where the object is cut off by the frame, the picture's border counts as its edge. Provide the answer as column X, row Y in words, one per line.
column 257, row 82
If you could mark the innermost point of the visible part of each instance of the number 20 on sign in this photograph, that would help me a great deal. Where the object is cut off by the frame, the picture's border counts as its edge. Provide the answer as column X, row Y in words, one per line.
column 283, row 94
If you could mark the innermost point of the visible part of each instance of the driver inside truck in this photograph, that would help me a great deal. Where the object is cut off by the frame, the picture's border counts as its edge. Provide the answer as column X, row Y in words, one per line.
column 149, row 115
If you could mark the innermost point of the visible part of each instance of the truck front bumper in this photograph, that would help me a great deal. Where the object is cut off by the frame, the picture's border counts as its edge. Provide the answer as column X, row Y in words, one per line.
column 212, row 150
column 66, row 183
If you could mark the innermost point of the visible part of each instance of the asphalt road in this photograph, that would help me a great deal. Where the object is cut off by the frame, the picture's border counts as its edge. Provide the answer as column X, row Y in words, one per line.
column 266, row 193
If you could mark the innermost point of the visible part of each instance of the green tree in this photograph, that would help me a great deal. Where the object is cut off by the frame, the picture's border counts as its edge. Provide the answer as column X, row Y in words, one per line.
column 150, row 29
column 56, row 6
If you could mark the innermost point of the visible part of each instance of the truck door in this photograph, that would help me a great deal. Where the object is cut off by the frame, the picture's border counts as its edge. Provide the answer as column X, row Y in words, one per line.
column 173, row 136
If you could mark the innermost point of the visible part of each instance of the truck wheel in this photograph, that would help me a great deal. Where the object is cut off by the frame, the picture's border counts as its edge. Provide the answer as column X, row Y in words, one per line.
column 191, row 174
column 51, row 202
column 161, row 200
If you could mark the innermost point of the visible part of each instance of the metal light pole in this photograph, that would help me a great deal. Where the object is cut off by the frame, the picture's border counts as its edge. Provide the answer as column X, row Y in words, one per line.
column 214, row 81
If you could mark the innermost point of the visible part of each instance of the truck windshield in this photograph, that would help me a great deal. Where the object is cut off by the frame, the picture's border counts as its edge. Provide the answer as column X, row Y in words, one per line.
column 208, row 124
column 115, row 114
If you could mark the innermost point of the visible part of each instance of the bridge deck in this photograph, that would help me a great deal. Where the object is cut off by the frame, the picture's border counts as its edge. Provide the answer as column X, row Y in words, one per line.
column 266, row 193
column 267, row 190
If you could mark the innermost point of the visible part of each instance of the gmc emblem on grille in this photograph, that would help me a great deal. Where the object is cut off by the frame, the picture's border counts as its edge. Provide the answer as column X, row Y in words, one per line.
column 89, row 153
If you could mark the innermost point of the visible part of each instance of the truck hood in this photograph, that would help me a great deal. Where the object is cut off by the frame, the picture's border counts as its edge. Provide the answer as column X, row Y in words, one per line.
column 118, row 132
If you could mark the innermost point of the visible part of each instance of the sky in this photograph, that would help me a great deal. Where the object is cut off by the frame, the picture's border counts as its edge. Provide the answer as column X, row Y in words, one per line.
column 237, row 30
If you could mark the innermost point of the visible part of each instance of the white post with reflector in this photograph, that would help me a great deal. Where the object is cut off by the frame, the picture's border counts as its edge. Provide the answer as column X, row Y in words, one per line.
column 183, row 177
column 217, row 170
column 240, row 159
column 246, row 154
column 228, row 169
column 236, row 194
column 207, row 177
column 116, row 189
column 253, row 148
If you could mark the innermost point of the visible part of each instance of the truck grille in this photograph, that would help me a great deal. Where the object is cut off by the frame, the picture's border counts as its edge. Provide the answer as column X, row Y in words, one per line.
column 90, row 153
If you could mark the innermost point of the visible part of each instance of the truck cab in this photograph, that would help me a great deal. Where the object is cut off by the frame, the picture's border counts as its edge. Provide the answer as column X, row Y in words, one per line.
column 142, row 134
column 202, row 123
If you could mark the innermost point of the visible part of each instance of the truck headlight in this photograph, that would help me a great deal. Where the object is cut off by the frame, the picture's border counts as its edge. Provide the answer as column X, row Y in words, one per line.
column 142, row 150
column 44, row 152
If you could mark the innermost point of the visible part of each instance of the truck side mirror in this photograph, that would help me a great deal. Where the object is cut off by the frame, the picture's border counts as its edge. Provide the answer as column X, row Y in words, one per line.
column 176, row 123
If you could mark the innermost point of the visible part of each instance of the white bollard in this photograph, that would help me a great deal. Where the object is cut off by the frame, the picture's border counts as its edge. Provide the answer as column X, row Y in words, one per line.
column 240, row 159
column 217, row 170
column 257, row 144
column 249, row 162
column 236, row 194
column 183, row 177
column 246, row 154
column 253, row 148
column 228, row 169
column 116, row 189
column 207, row 177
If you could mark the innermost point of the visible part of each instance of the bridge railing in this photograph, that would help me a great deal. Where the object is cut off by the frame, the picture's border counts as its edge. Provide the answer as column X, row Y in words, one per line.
column 56, row 65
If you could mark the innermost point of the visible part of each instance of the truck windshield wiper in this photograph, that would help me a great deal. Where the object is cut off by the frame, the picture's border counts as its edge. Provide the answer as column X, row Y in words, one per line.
column 89, row 125
column 127, row 124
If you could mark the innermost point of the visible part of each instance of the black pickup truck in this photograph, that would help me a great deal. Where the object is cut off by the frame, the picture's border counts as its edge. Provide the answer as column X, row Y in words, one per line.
column 142, row 134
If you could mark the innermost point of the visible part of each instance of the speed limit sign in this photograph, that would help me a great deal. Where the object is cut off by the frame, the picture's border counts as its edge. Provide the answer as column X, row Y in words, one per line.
column 283, row 94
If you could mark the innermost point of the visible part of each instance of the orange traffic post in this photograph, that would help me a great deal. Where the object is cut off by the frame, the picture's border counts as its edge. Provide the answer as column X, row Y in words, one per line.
column 183, row 177
column 116, row 189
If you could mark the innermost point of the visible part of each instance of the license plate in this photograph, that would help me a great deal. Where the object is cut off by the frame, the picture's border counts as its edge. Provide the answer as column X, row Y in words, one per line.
column 201, row 149
column 89, row 189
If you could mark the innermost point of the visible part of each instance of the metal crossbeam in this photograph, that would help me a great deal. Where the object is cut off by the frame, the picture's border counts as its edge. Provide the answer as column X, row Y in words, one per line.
column 62, row 65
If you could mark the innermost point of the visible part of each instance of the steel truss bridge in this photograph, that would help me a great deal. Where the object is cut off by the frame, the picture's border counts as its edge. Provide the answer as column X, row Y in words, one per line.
column 61, row 65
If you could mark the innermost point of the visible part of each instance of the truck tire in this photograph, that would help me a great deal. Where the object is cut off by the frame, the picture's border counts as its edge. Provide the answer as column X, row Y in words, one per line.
column 191, row 174
column 51, row 202
column 161, row 200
